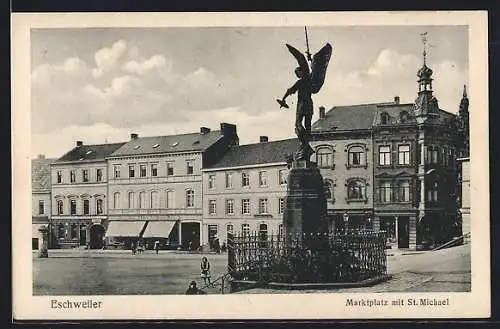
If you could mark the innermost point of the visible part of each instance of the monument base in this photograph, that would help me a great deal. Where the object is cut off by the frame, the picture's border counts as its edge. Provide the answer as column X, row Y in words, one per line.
column 305, row 203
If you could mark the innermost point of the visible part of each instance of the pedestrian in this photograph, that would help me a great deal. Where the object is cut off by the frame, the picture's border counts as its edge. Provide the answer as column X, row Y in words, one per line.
column 134, row 249
column 205, row 270
column 193, row 289
column 157, row 246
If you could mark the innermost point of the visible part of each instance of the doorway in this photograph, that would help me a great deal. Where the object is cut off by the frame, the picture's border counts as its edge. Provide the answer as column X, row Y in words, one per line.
column 190, row 236
column 96, row 236
column 83, row 235
column 403, row 232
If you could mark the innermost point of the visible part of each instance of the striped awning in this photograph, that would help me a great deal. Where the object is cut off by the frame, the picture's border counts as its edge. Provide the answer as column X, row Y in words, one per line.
column 124, row 228
column 158, row 229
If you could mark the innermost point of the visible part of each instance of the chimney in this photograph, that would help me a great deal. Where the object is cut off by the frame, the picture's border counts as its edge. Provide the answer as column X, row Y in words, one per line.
column 204, row 130
column 322, row 112
column 79, row 143
column 134, row 136
column 396, row 99
column 41, row 156
column 263, row 139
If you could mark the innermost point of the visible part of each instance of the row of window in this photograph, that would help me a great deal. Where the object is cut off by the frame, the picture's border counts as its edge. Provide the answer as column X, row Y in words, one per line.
column 400, row 192
column 262, row 204
column 153, row 170
column 245, row 179
column 85, row 207
column 356, row 156
column 245, row 230
column 140, row 201
column 84, row 176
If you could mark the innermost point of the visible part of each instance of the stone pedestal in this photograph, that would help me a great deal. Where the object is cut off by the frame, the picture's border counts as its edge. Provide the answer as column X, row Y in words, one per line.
column 44, row 243
column 305, row 204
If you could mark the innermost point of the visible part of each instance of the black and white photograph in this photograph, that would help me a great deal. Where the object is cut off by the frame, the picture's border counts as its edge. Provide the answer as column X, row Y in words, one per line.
column 302, row 157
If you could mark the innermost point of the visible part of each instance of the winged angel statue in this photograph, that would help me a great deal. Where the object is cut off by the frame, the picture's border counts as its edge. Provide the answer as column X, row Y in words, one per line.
column 309, row 82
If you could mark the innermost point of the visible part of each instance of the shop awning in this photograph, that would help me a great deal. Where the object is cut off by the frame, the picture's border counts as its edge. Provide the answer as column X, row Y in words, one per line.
column 124, row 228
column 158, row 229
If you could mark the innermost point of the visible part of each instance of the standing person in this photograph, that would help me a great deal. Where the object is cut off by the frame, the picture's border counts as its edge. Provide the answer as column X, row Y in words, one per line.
column 205, row 270
column 157, row 246
column 133, row 248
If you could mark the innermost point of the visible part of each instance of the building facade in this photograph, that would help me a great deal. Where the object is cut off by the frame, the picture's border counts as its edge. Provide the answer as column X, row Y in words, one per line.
column 245, row 190
column 342, row 140
column 155, row 187
column 40, row 197
column 79, row 196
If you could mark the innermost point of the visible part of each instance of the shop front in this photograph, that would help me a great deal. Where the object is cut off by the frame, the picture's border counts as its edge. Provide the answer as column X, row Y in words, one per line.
column 70, row 233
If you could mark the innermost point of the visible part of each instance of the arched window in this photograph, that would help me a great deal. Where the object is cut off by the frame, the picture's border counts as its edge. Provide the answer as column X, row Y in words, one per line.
column 99, row 209
column 356, row 156
column 263, row 234
column 155, row 200
column 142, row 200
column 131, row 200
column 116, row 200
column 329, row 189
column 170, row 199
column 384, row 118
column 189, row 198
column 403, row 116
column 356, row 190
column 60, row 207
column 324, row 157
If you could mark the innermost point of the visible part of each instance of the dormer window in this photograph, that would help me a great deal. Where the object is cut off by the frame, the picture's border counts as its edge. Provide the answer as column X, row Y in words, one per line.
column 156, row 145
column 137, row 147
column 88, row 152
column 175, row 144
column 384, row 118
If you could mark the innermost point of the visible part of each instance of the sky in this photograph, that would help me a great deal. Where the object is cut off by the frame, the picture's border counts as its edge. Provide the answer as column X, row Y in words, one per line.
column 100, row 85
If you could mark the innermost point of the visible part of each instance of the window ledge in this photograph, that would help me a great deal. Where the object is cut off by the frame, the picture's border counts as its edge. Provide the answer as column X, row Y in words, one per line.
column 365, row 200
column 363, row 166
column 332, row 167
column 263, row 215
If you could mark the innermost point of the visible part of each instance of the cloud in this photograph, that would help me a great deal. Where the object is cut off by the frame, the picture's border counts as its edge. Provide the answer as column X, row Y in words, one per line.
column 393, row 74
column 105, row 58
column 140, row 68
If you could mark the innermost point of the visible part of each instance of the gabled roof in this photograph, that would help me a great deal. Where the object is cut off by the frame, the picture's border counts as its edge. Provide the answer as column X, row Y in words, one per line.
column 169, row 144
column 40, row 174
column 347, row 118
column 90, row 152
column 260, row 153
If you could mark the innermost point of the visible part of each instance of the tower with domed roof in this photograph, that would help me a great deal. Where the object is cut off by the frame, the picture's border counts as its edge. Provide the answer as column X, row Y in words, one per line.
column 425, row 104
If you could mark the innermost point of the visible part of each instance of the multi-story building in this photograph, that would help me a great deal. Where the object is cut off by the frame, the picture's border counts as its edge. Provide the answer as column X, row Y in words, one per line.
column 244, row 191
column 403, row 177
column 79, row 190
column 155, row 186
column 40, row 197
column 342, row 140
column 464, row 196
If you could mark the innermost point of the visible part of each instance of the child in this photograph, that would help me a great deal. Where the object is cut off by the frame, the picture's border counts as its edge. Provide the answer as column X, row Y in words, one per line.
column 205, row 270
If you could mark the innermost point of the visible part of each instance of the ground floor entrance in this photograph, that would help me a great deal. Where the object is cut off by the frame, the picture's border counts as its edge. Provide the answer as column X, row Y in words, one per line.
column 96, row 236
column 397, row 229
column 190, row 235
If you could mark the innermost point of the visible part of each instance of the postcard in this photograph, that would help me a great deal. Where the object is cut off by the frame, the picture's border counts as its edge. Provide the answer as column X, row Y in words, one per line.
column 278, row 165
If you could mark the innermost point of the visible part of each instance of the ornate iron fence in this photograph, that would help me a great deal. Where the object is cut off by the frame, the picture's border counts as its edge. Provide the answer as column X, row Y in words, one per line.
column 311, row 258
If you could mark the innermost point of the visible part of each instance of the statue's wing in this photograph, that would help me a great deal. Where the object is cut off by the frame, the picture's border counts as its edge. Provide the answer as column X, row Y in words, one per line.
column 319, row 66
column 301, row 59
